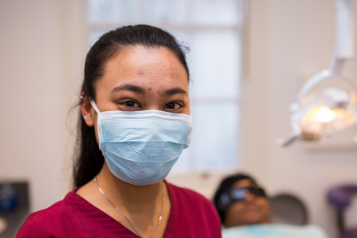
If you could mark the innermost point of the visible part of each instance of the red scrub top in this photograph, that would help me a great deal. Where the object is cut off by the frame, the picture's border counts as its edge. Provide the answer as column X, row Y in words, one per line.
column 191, row 215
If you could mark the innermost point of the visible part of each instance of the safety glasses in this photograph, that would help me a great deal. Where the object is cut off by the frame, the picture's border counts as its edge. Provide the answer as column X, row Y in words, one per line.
column 238, row 195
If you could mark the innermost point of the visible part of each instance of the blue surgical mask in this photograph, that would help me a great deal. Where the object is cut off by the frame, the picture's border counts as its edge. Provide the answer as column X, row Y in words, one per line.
column 141, row 147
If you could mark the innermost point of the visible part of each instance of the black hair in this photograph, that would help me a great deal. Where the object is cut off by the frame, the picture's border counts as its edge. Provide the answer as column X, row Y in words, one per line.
column 89, row 159
column 224, row 186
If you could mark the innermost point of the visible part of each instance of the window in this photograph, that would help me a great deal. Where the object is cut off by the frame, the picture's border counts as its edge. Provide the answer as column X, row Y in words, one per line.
column 213, row 30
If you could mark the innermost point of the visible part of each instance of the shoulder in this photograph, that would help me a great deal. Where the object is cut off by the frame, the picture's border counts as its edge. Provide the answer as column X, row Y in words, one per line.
column 307, row 231
column 46, row 222
column 193, row 201
column 190, row 199
column 187, row 194
column 194, row 210
column 275, row 230
column 312, row 231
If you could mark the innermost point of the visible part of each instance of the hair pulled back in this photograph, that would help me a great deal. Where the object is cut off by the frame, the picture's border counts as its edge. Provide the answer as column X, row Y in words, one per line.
column 89, row 159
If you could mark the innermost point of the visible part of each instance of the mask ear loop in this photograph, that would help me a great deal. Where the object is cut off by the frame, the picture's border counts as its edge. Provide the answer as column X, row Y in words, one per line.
column 99, row 125
column 94, row 105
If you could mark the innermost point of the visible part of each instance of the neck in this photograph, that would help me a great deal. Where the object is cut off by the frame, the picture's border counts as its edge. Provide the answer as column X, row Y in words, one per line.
column 132, row 196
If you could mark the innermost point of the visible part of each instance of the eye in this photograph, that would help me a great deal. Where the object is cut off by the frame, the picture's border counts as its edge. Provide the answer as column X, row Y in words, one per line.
column 131, row 104
column 172, row 106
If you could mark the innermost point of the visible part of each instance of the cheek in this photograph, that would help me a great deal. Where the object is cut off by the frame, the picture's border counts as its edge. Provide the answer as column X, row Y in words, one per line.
column 234, row 213
column 263, row 203
column 187, row 109
column 236, row 208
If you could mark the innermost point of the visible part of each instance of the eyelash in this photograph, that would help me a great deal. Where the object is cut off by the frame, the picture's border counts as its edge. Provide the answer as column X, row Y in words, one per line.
column 176, row 103
column 124, row 103
column 180, row 105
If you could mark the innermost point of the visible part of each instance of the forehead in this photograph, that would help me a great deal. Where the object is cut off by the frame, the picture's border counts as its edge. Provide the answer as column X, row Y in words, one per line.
column 242, row 183
column 140, row 54
column 144, row 65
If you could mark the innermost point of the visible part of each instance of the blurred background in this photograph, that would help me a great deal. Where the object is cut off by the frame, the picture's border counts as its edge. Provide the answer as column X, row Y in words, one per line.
column 248, row 60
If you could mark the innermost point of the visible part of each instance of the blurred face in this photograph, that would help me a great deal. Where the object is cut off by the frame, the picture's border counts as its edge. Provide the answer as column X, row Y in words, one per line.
column 251, row 210
column 140, row 78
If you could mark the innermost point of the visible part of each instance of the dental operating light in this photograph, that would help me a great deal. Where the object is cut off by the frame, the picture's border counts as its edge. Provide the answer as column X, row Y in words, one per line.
column 326, row 103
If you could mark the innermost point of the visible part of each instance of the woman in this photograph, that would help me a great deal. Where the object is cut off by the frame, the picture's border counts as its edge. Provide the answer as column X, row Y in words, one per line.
column 134, row 124
column 240, row 201
column 244, row 209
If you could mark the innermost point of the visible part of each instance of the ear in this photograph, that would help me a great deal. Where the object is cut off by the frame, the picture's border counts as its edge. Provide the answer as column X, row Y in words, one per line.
column 88, row 113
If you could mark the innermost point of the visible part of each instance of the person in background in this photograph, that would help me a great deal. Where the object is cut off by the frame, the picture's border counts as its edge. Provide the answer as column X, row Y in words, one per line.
column 240, row 201
column 134, row 123
column 244, row 209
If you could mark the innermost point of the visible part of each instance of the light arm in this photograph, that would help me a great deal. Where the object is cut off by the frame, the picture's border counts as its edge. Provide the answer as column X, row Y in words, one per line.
column 344, row 46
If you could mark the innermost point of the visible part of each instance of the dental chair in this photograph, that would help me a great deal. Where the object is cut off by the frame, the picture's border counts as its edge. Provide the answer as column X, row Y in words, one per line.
column 289, row 220
column 288, row 209
column 341, row 197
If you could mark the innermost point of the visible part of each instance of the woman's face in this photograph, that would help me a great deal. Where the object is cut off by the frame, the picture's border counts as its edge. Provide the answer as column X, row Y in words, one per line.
column 141, row 78
column 251, row 210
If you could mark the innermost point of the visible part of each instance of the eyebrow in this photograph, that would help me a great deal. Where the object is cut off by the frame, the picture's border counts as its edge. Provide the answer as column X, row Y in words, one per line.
column 174, row 91
column 130, row 87
column 140, row 90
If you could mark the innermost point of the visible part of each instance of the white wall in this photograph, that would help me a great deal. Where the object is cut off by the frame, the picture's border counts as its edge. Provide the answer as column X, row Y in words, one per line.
column 291, row 41
column 43, row 44
column 36, row 83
